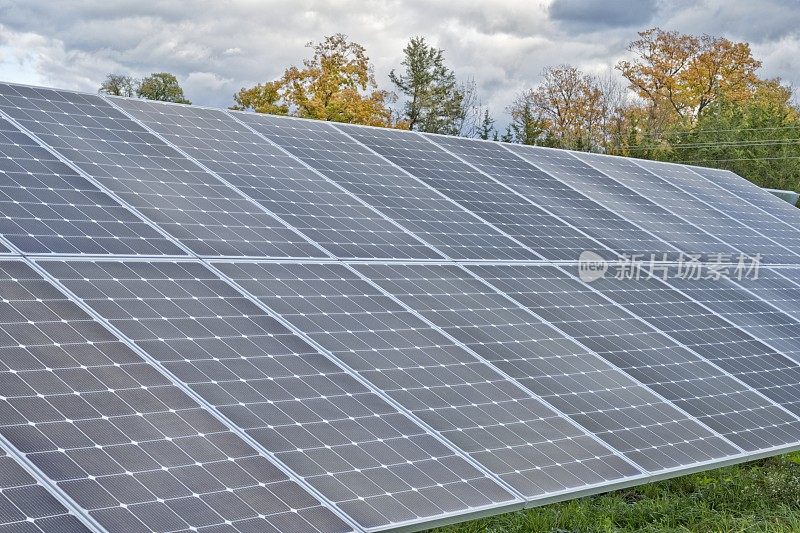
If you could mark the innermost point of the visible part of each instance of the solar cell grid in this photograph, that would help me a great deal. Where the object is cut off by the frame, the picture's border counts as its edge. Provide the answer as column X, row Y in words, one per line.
column 118, row 437
column 46, row 207
column 779, row 286
column 763, row 235
column 677, row 374
column 409, row 202
column 317, row 207
column 709, row 335
column 445, row 367
column 764, row 201
column 183, row 199
column 26, row 506
column 506, row 210
column 579, row 383
column 675, row 189
column 651, row 218
column 357, row 450
column 574, row 207
column 504, row 428
column 740, row 302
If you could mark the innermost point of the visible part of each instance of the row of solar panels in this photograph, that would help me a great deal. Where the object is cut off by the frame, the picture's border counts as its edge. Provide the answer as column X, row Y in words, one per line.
column 235, row 184
column 299, row 326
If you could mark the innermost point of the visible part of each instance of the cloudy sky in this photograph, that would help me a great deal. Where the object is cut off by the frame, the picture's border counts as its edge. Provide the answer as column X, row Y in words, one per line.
column 216, row 47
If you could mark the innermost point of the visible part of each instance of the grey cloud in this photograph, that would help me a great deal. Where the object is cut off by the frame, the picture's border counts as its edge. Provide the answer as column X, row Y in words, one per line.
column 215, row 47
column 591, row 15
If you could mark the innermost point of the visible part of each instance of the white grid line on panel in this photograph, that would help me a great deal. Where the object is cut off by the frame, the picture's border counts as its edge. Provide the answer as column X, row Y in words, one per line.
column 603, row 360
column 715, row 209
column 337, row 185
column 91, row 180
column 703, row 358
column 428, row 137
column 52, row 488
column 483, row 360
column 605, row 205
column 439, row 193
column 217, row 177
column 380, row 393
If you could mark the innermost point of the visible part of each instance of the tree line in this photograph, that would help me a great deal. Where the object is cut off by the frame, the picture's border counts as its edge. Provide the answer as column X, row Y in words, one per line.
column 679, row 97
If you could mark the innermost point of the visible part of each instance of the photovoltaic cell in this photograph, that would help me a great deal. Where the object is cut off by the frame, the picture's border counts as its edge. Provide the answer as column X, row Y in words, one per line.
column 677, row 374
column 183, row 199
column 506, row 210
column 371, row 336
column 765, row 202
column 778, row 286
column 740, row 303
column 728, row 205
column 576, row 381
column 28, row 507
column 357, row 450
column 710, row 336
column 573, row 206
column 679, row 191
column 647, row 215
column 409, row 202
column 315, row 206
column 46, row 207
column 119, row 438
column 496, row 423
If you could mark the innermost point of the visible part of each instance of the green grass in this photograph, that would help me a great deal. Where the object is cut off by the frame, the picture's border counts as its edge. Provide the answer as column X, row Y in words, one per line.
column 762, row 496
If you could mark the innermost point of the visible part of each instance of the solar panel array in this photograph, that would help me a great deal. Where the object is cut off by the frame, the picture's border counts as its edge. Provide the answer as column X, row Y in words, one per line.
column 226, row 322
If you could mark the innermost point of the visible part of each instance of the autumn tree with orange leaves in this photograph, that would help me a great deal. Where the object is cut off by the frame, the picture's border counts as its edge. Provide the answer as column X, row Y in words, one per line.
column 336, row 83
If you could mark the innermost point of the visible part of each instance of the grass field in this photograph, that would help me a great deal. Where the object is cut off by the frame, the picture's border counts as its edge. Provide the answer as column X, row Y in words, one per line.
column 762, row 496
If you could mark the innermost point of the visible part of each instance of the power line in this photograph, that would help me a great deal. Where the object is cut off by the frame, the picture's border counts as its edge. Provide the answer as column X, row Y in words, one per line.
column 740, row 159
column 724, row 144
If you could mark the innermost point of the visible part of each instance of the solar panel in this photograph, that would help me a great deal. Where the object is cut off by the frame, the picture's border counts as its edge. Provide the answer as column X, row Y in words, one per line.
column 432, row 217
column 46, row 207
column 506, row 429
column 184, row 200
column 357, row 450
column 754, row 197
column 227, row 322
column 573, row 207
column 507, row 210
column 322, row 210
column 709, row 335
column 121, row 440
column 678, row 190
column 599, row 396
column 741, row 303
column 684, row 377
column 642, row 212
column 26, row 506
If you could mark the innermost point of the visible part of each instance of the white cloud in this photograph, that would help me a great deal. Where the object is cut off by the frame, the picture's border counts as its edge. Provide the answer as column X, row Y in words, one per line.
column 217, row 47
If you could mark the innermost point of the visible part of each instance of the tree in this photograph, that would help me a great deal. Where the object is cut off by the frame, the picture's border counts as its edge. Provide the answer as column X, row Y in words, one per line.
column 434, row 100
column 756, row 139
column 161, row 86
column 263, row 98
column 566, row 110
column 684, row 74
column 118, row 85
column 486, row 126
column 336, row 83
